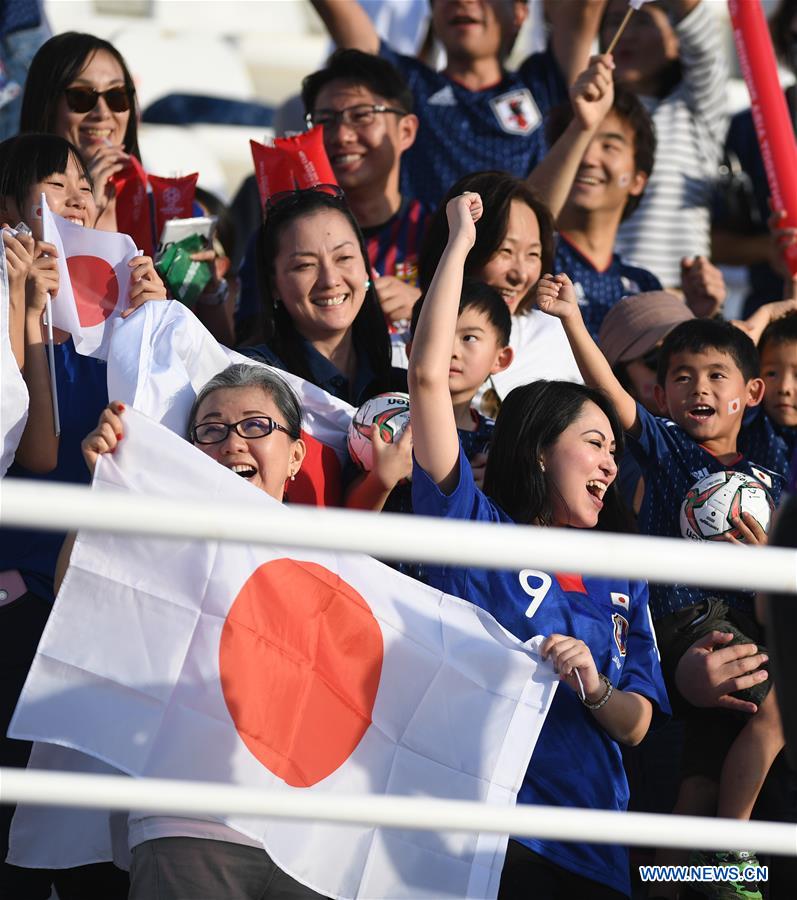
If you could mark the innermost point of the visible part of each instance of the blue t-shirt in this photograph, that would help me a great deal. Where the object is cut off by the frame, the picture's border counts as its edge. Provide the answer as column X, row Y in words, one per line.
column 672, row 462
column 82, row 395
column 575, row 762
column 598, row 291
column 463, row 131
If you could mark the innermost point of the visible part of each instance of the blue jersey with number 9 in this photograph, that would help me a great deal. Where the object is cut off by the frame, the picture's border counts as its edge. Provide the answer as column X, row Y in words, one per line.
column 575, row 762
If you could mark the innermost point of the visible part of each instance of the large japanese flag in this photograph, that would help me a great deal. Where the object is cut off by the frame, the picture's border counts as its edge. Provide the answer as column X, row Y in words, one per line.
column 289, row 670
column 94, row 280
column 13, row 391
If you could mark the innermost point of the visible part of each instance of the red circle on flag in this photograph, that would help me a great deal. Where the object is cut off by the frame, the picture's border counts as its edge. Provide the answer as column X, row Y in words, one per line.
column 300, row 660
column 95, row 287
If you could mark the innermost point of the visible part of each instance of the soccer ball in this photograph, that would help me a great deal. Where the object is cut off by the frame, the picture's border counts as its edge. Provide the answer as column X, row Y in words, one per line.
column 391, row 412
column 710, row 505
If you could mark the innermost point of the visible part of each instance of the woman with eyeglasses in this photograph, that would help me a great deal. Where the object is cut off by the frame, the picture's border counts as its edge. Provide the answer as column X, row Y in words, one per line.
column 79, row 88
column 248, row 419
column 322, row 319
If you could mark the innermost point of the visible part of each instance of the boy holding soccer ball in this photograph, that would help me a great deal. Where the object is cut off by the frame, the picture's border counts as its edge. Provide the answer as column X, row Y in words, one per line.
column 708, row 376
column 481, row 348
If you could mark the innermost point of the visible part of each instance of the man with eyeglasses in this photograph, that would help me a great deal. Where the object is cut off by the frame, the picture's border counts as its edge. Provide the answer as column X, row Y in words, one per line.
column 476, row 115
column 366, row 110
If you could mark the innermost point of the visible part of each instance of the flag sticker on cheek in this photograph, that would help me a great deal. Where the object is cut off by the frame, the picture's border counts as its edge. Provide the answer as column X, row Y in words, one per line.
column 624, row 180
column 734, row 406
column 300, row 659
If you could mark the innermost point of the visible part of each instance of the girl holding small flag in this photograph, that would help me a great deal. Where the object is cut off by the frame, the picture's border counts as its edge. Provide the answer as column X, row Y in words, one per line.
column 32, row 165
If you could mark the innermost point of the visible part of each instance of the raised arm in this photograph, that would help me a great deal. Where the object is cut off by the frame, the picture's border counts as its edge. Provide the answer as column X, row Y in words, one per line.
column 348, row 24
column 38, row 447
column 755, row 324
column 434, row 429
column 556, row 296
column 591, row 98
column 704, row 65
column 574, row 25
column 18, row 260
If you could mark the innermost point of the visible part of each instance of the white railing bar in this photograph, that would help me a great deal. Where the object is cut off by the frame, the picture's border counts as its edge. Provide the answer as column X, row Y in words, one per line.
column 55, row 507
column 188, row 798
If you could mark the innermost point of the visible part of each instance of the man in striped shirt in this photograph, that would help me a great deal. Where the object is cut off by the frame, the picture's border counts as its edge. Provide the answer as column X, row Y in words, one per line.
column 672, row 57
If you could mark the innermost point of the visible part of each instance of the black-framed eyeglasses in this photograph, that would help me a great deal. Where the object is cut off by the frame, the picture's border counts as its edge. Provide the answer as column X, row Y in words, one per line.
column 360, row 116
column 84, row 99
column 249, row 429
column 335, row 192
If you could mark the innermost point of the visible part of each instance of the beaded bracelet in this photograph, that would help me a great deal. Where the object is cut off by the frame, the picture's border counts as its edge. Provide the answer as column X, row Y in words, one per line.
column 608, row 692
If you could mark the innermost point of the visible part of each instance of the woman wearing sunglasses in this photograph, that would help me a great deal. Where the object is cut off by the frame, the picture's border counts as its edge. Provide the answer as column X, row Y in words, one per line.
column 79, row 88
column 322, row 319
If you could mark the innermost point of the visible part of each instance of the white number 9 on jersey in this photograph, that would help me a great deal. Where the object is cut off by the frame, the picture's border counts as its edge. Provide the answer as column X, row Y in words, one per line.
column 536, row 585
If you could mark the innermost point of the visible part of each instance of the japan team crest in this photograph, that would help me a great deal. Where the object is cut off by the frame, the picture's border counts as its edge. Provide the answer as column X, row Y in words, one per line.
column 620, row 624
column 516, row 111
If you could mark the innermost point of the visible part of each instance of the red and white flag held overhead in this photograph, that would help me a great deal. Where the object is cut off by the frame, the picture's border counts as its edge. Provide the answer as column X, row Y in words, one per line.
column 94, row 280
column 288, row 670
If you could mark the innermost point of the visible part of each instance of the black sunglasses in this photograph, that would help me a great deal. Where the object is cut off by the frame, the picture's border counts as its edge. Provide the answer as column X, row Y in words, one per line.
column 284, row 197
column 84, row 99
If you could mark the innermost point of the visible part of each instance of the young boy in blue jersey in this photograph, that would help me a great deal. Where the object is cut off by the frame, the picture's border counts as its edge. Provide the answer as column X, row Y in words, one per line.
column 772, row 428
column 592, row 179
column 777, row 348
column 708, row 375
column 475, row 115
column 481, row 348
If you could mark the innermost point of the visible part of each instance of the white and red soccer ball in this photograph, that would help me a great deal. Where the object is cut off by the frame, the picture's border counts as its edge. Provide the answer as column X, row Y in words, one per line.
column 710, row 505
column 391, row 412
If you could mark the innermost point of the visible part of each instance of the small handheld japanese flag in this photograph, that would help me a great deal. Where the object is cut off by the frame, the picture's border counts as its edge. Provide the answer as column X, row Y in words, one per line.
column 94, row 280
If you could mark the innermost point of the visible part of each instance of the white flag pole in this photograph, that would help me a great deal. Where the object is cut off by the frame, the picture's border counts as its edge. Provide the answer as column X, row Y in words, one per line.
column 48, row 309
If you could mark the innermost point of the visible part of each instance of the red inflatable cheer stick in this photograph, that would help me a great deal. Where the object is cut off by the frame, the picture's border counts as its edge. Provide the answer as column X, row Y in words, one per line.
column 770, row 112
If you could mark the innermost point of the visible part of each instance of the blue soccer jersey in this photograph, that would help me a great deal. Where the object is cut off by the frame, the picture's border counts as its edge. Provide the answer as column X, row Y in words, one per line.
column 575, row 763
column 672, row 462
column 598, row 291
column 394, row 246
column 463, row 131
column 761, row 438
